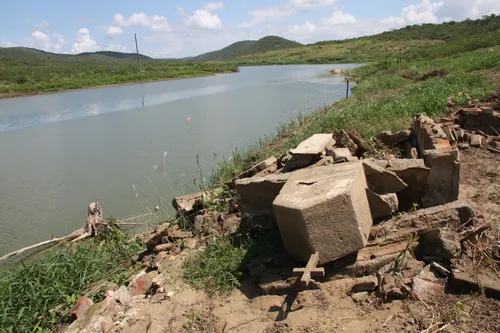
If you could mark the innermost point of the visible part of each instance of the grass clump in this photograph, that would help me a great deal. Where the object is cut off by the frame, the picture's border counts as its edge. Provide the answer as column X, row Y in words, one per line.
column 220, row 267
column 30, row 290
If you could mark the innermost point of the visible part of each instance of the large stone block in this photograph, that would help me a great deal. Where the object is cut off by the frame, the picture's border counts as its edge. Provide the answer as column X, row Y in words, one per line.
column 324, row 210
column 444, row 178
column 380, row 180
column 256, row 199
column 309, row 151
column 255, row 169
column 429, row 135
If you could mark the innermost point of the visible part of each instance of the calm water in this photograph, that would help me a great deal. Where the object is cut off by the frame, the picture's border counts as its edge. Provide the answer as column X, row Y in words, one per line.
column 58, row 152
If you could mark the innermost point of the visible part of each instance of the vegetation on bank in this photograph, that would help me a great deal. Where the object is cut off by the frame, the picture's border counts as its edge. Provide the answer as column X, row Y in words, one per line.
column 31, row 290
column 28, row 71
column 383, row 100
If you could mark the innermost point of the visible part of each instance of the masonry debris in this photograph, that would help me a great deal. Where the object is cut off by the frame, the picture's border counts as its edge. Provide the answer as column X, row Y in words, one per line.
column 348, row 211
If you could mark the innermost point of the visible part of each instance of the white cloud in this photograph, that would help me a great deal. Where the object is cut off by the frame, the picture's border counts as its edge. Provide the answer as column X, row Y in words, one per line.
column 288, row 8
column 112, row 31
column 155, row 23
column 60, row 38
column 203, row 19
column 339, row 18
column 7, row 43
column 473, row 9
column 84, row 42
column 425, row 12
column 212, row 6
column 44, row 26
column 42, row 41
column 305, row 28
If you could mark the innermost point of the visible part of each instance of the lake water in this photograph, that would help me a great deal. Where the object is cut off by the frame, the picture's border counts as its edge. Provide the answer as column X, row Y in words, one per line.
column 133, row 147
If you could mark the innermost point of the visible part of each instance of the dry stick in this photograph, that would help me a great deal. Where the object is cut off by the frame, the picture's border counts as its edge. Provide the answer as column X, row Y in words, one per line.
column 50, row 241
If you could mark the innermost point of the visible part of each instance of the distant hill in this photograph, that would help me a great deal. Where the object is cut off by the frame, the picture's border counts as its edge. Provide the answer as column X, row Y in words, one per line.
column 34, row 55
column 246, row 47
column 117, row 55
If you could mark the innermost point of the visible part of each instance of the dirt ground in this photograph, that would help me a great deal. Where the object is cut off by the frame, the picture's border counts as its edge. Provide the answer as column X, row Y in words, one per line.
column 326, row 306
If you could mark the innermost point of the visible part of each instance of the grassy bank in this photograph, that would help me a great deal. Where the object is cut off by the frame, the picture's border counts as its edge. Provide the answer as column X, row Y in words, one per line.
column 32, row 289
column 35, row 71
column 383, row 100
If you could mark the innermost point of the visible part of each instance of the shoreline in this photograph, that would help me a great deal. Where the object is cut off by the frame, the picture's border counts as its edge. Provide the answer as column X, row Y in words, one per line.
column 39, row 93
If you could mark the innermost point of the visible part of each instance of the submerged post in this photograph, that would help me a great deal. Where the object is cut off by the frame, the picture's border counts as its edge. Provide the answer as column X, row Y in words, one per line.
column 138, row 61
column 347, row 89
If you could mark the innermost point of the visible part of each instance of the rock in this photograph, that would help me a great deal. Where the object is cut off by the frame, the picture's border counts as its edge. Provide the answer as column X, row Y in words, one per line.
column 356, row 138
column 380, row 180
column 460, row 134
column 438, row 244
column 81, row 306
column 190, row 243
column 165, row 266
column 256, row 199
column 367, row 283
column 382, row 205
column 476, row 140
column 410, row 152
column 444, row 178
column 495, row 251
column 486, row 281
column 360, row 297
column 390, row 139
column 341, row 155
column 429, row 274
column 424, row 288
column 494, row 144
column 337, row 71
column 158, row 280
column 392, row 287
column 122, row 295
column 188, row 204
column 140, row 284
column 256, row 168
column 414, row 174
column 343, row 140
column 483, row 119
column 106, row 324
column 440, row 269
column 160, row 256
column 463, row 146
column 179, row 234
column 324, row 210
column 163, row 247
column 309, row 151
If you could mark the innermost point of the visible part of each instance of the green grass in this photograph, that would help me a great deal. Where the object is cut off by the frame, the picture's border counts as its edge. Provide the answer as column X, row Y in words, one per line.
column 220, row 267
column 31, row 289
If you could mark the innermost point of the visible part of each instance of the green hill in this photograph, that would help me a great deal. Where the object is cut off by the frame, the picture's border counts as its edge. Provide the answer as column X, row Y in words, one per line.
column 268, row 43
column 117, row 55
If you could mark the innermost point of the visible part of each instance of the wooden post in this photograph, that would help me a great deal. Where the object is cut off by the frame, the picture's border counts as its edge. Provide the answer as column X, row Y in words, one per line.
column 310, row 269
column 138, row 60
column 347, row 90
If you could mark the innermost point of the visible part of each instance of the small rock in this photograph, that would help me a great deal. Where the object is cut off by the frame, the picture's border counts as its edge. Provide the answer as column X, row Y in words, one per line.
column 429, row 274
column 495, row 251
column 153, row 274
column 158, row 280
column 105, row 324
column 81, row 306
column 165, row 265
column 170, row 294
column 160, row 256
column 140, row 284
column 180, row 234
column 360, row 297
column 190, row 243
column 476, row 140
column 163, row 247
column 440, row 269
column 463, row 146
column 122, row 295
column 438, row 244
column 343, row 140
column 424, row 288
column 380, row 180
column 367, row 283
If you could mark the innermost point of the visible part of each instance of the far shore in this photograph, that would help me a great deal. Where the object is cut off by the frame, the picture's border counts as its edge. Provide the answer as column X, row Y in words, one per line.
column 36, row 93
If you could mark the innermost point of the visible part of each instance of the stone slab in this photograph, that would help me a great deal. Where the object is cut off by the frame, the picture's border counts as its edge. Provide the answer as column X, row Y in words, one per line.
column 381, row 180
column 309, row 151
column 443, row 181
column 382, row 205
column 324, row 210
column 267, row 163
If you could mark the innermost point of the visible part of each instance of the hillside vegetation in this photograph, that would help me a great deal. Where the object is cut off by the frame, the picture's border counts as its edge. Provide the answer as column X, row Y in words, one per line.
column 25, row 70
column 269, row 43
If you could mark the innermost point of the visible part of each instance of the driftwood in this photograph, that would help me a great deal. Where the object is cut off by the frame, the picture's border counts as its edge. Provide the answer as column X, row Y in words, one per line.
column 94, row 225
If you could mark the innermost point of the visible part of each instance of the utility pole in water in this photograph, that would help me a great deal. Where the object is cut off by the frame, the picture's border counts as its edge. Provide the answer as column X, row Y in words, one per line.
column 138, row 60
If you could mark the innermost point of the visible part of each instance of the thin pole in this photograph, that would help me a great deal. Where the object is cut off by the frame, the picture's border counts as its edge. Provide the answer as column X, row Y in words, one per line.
column 347, row 90
column 138, row 61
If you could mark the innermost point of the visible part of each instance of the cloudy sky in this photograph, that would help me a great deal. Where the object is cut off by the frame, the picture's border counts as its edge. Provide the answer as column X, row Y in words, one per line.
column 179, row 28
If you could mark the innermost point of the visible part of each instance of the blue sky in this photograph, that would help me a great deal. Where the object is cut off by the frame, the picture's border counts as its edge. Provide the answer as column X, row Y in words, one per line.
column 179, row 28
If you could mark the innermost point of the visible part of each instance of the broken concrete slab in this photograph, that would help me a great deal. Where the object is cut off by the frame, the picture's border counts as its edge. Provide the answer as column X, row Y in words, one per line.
column 382, row 205
column 413, row 173
column 380, row 180
column 309, row 151
column 444, row 178
column 324, row 210
column 476, row 140
column 256, row 199
column 256, row 168
column 438, row 245
column 189, row 203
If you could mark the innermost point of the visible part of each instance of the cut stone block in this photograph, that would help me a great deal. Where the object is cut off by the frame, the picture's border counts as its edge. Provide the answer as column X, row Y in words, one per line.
column 341, row 155
column 476, row 140
column 256, row 199
column 188, row 203
column 380, row 180
column 414, row 173
column 309, row 151
column 324, row 210
column 382, row 205
column 256, row 168
column 444, row 178
column 429, row 135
